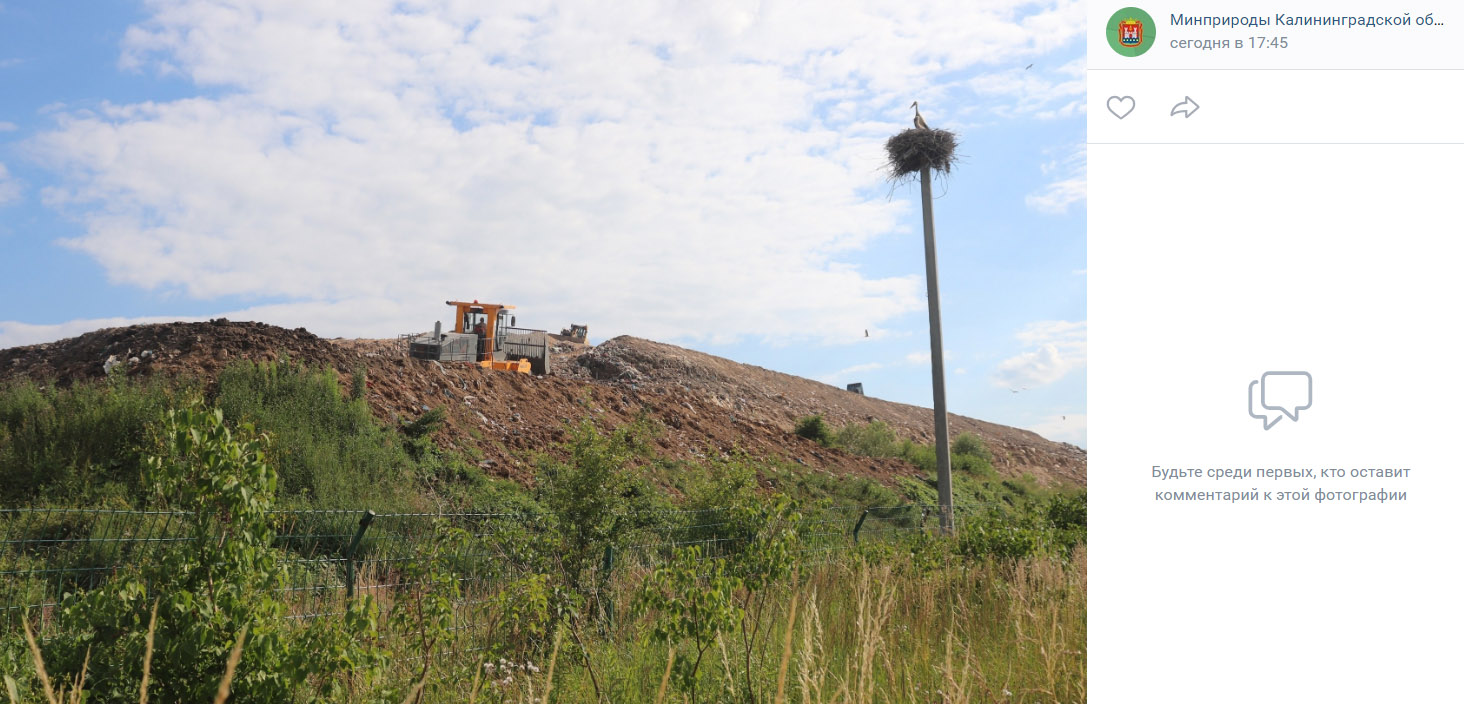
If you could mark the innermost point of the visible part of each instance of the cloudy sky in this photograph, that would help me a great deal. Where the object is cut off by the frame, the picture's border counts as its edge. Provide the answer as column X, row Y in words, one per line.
column 703, row 173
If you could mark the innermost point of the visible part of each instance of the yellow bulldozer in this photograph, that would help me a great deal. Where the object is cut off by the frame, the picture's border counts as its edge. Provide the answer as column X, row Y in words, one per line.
column 484, row 334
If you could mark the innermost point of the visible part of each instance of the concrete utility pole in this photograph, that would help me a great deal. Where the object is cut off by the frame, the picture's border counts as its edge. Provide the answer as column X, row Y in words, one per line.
column 922, row 149
column 937, row 365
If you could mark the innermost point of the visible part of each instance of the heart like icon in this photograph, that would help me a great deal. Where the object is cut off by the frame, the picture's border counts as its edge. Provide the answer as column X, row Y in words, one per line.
column 1120, row 106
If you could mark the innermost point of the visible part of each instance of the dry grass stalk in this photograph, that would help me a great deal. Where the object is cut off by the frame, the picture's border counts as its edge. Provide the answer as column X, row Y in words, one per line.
column 666, row 677
column 788, row 640
column 726, row 662
column 78, row 685
column 956, row 691
column 477, row 681
column 230, row 666
column 811, row 660
column 875, row 603
column 147, row 654
column 553, row 656
column 35, row 650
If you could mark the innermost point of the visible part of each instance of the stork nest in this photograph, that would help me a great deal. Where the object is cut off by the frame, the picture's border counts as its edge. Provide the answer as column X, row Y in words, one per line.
column 916, row 149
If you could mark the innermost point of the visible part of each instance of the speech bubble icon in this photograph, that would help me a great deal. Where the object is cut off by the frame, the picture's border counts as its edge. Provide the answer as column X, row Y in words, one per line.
column 1269, row 419
column 1287, row 392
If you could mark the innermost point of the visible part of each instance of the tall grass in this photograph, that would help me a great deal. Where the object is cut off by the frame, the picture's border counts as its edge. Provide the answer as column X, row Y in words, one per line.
column 855, row 632
column 861, row 632
column 79, row 444
column 329, row 450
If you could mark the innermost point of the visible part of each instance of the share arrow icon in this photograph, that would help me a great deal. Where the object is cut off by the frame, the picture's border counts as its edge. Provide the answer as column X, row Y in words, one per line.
column 1186, row 108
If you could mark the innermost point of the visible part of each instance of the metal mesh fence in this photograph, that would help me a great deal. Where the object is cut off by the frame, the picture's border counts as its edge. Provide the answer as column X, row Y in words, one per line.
column 46, row 554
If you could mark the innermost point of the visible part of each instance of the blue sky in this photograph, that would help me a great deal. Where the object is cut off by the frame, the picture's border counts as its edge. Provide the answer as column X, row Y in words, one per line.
column 705, row 174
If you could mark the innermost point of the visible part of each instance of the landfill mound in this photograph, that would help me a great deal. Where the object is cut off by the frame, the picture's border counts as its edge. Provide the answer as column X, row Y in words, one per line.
column 169, row 347
column 781, row 399
column 706, row 404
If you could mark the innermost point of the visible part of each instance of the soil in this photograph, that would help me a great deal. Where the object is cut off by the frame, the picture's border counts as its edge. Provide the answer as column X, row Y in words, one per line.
column 706, row 404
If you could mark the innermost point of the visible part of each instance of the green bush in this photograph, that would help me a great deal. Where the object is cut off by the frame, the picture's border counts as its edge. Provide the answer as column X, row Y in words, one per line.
column 76, row 445
column 875, row 439
column 995, row 536
column 221, row 585
column 594, row 500
column 690, row 600
column 329, row 450
column 814, row 428
column 971, row 445
column 1068, row 511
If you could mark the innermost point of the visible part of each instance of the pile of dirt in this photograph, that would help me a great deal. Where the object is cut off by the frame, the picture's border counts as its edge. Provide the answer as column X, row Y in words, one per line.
column 706, row 404
column 170, row 347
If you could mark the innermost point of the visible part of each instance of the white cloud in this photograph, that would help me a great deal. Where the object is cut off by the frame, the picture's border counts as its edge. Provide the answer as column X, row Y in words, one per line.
column 1055, row 348
column 1036, row 91
column 1070, row 428
column 1069, row 183
column 9, row 187
column 368, row 160
column 8, row 127
column 916, row 358
column 923, row 358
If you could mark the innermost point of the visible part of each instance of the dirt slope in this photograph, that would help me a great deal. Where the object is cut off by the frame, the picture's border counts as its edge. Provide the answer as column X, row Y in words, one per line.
column 780, row 399
column 706, row 403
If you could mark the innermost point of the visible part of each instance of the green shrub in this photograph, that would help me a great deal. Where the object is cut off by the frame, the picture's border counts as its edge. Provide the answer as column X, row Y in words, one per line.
column 814, row 428
column 426, row 425
column 225, row 578
column 922, row 456
column 594, row 500
column 875, row 439
column 995, row 536
column 76, row 445
column 928, row 552
column 970, row 444
column 689, row 599
column 358, row 384
column 1068, row 511
column 329, row 450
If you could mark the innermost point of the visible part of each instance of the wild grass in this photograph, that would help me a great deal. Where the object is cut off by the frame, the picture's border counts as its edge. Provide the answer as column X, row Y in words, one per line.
column 80, row 444
column 854, row 631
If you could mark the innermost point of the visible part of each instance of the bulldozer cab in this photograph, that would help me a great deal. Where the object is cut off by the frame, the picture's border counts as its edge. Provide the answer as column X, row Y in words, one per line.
column 499, row 343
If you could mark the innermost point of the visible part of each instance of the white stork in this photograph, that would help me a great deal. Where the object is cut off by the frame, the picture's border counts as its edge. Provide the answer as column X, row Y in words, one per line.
column 919, row 121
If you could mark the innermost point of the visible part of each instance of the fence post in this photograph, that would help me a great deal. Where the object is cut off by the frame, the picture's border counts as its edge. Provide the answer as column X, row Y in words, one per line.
column 860, row 524
column 607, row 607
column 366, row 519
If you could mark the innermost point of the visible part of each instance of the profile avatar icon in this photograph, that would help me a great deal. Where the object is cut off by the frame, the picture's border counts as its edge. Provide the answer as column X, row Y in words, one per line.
column 1130, row 31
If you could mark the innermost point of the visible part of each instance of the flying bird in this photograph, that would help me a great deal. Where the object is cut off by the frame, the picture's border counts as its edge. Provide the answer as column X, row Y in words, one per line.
column 866, row 332
column 1029, row 66
column 919, row 121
